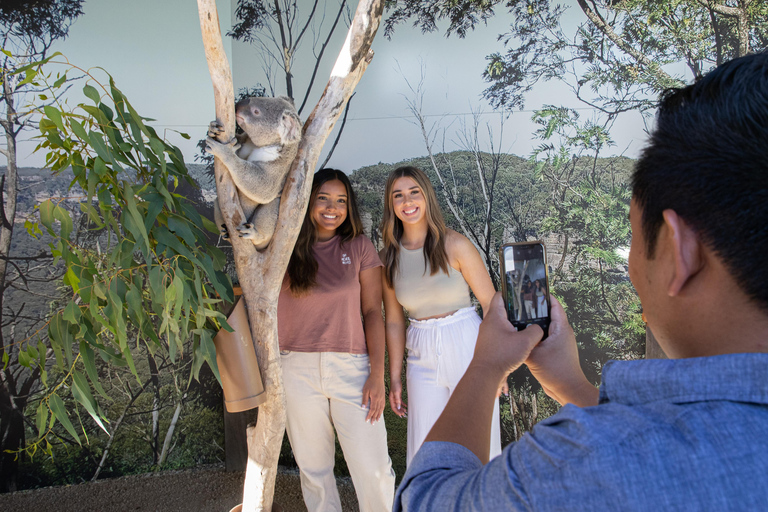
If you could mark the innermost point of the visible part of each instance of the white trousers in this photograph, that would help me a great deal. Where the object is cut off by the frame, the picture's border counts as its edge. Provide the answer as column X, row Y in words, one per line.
column 542, row 306
column 439, row 352
column 530, row 309
column 324, row 390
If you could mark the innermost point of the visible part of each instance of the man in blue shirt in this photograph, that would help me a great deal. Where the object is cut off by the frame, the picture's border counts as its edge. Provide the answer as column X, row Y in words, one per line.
column 688, row 433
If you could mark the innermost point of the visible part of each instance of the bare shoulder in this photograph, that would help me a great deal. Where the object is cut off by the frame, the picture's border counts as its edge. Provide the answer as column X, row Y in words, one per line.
column 458, row 245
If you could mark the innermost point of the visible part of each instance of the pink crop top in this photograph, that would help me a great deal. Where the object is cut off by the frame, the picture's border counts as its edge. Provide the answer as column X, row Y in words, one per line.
column 425, row 295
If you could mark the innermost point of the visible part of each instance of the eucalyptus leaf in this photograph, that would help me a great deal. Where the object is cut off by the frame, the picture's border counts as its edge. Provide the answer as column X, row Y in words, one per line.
column 87, row 355
column 54, row 115
column 60, row 413
column 78, row 129
column 82, row 393
column 97, row 143
column 92, row 93
column 41, row 418
column 72, row 311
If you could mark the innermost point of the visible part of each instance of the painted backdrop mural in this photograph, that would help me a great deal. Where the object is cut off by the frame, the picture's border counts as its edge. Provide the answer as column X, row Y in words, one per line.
column 526, row 115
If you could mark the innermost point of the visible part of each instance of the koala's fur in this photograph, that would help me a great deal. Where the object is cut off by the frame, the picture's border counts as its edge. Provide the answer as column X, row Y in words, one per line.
column 258, row 161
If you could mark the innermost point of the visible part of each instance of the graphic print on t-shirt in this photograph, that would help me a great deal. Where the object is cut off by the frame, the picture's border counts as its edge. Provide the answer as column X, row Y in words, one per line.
column 345, row 260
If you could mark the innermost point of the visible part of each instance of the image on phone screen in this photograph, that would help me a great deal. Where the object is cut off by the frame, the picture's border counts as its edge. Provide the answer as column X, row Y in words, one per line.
column 526, row 287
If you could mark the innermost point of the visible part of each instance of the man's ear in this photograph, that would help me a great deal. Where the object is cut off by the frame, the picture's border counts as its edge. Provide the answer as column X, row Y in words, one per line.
column 685, row 248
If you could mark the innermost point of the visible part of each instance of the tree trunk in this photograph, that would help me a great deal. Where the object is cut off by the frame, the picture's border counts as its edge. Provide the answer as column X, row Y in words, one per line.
column 154, row 377
column 10, row 180
column 261, row 272
column 169, row 434
column 12, row 437
column 12, row 421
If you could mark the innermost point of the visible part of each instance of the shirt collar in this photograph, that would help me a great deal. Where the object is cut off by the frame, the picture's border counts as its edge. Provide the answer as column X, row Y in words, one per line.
column 735, row 377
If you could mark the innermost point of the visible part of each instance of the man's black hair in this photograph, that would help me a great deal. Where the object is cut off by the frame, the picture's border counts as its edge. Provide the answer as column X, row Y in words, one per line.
column 707, row 160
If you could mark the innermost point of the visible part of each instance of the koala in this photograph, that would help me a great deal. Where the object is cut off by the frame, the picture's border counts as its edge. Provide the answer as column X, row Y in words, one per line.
column 258, row 159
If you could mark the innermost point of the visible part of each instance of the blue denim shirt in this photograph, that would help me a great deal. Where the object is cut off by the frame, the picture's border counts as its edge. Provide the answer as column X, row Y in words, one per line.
column 686, row 434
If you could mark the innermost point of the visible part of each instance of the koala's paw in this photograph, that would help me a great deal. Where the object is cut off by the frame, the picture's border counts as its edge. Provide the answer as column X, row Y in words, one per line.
column 224, row 232
column 219, row 149
column 215, row 129
column 249, row 232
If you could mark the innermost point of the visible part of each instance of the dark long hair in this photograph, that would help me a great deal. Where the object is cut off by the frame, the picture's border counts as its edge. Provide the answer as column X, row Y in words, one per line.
column 392, row 227
column 302, row 267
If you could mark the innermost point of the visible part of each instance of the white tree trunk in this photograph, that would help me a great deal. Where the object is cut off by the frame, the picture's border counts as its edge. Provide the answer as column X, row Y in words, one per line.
column 261, row 272
column 169, row 435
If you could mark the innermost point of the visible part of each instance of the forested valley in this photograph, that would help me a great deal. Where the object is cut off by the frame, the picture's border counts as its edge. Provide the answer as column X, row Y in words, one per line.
column 166, row 420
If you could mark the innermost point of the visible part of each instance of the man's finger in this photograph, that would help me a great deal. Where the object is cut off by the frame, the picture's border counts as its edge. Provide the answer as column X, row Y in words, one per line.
column 497, row 306
column 557, row 312
column 532, row 334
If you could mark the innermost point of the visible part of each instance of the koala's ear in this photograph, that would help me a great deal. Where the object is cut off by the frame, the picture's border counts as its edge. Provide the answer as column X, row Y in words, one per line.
column 288, row 99
column 290, row 128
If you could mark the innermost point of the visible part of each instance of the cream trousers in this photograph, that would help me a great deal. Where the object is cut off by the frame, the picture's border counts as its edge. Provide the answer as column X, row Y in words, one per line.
column 439, row 352
column 324, row 390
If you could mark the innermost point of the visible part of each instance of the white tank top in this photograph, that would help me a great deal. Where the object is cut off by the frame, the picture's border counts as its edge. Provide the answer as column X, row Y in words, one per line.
column 425, row 295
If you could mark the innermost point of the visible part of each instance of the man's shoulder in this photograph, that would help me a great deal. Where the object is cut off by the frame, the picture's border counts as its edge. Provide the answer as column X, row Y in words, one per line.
column 630, row 448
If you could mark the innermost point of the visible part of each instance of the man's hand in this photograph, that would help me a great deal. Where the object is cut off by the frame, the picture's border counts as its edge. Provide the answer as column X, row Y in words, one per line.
column 500, row 348
column 396, row 397
column 374, row 398
column 555, row 363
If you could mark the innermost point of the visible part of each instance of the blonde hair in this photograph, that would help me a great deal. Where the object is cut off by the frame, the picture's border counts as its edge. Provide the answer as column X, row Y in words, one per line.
column 392, row 227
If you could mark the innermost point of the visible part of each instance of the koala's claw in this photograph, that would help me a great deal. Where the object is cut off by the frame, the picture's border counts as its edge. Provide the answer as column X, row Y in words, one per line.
column 224, row 232
column 215, row 129
column 215, row 147
column 213, row 142
column 249, row 232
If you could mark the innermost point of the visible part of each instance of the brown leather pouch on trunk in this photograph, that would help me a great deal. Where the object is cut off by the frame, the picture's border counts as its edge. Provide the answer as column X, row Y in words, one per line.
column 238, row 367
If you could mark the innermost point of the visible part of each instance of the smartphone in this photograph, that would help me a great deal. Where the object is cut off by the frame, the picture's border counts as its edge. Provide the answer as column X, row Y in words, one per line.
column 525, row 284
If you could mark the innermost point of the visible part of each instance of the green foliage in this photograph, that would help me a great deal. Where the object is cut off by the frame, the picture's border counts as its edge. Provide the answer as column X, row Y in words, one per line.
column 155, row 281
column 622, row 54
column 522, row 408
column 590, row 207
column 463, row 16
column 38, row 22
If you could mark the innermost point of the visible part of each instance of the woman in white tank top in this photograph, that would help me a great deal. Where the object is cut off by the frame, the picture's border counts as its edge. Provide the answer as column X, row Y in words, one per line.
column 428, row 270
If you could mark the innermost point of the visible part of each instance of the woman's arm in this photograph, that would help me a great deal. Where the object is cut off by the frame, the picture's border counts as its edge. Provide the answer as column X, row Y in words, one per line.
column 472, row 268
column 395, row 331
column 465, row 256
column 374, row 394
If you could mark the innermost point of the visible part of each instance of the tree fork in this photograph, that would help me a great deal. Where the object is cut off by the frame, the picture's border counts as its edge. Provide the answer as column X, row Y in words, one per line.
column 261, row 272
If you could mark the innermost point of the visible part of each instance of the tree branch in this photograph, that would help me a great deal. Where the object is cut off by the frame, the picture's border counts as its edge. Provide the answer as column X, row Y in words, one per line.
column 606, row 29
column 261, row 272
column 731, row 12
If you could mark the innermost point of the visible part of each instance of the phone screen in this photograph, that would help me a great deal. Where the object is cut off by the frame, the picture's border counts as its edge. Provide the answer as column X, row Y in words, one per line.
column 526, row 284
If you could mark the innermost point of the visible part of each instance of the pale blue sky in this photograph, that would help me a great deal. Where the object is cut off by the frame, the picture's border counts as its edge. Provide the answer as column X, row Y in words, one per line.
column 154, row 51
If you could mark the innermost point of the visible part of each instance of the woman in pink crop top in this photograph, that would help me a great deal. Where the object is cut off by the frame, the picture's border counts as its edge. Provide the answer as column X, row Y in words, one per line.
column 440, row 342
column 333, row 362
